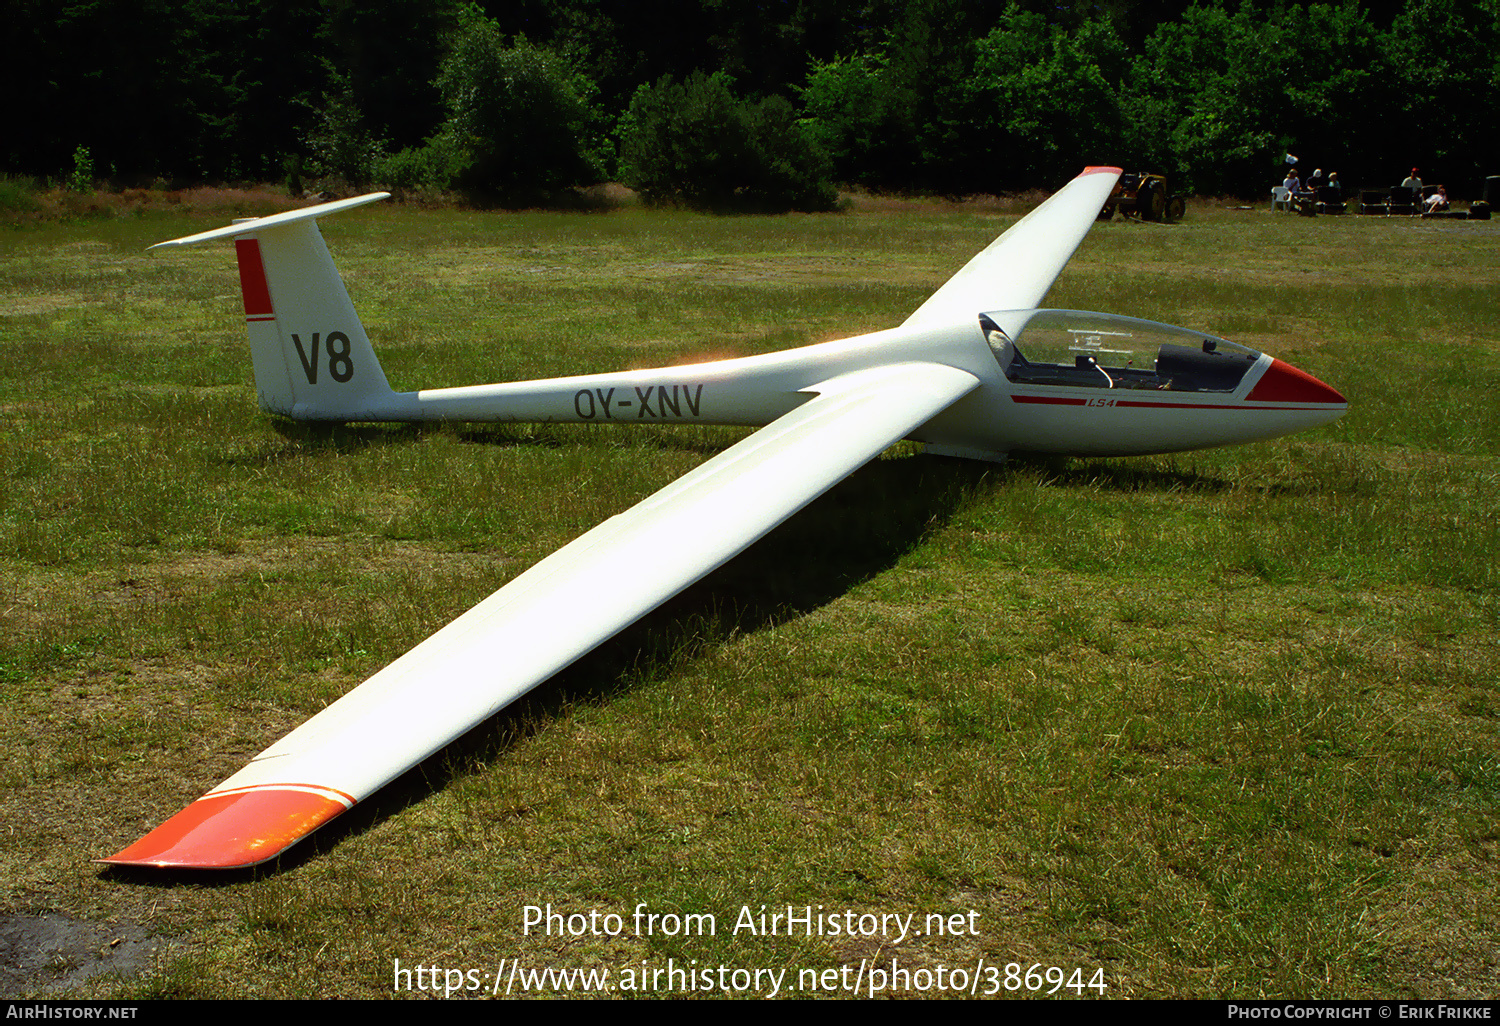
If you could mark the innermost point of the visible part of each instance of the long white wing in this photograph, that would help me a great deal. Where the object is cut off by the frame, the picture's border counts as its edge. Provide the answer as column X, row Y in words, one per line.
column 1015, row 271
column 547, row 617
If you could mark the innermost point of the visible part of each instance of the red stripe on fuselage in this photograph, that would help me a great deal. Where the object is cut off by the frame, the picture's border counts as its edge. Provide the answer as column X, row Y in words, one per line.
column 253, row 287
column 1050, row 400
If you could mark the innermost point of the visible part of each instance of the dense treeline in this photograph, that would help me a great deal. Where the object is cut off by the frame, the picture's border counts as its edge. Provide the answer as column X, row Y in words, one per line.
column 703, row 101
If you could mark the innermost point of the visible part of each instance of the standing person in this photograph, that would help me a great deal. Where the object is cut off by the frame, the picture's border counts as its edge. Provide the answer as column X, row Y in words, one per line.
column 1412, row 182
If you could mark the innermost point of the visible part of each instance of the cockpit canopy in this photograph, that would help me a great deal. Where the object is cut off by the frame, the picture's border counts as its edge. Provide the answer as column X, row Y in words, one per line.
column 1080, row 349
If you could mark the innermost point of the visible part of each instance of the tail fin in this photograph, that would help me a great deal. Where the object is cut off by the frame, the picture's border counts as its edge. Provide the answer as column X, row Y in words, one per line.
column 312, row 358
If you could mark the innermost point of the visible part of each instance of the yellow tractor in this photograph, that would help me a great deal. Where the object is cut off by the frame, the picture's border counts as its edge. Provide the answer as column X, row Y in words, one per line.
column 1145, row 196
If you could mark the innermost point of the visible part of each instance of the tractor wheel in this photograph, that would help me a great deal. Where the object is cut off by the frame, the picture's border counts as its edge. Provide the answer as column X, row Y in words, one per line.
column 1176, row 207
column 1150, row 203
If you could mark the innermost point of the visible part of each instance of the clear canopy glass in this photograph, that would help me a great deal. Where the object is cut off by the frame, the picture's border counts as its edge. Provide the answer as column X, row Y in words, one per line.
column 1081, row 349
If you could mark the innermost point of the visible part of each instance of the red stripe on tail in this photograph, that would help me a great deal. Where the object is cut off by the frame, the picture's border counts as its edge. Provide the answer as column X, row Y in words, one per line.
column 253, row 287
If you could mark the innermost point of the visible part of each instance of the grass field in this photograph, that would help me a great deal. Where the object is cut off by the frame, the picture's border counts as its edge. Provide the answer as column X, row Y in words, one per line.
column 1216, row 724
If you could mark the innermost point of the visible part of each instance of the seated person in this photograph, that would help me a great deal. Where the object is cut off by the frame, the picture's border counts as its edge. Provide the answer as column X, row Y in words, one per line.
column 1438, row 200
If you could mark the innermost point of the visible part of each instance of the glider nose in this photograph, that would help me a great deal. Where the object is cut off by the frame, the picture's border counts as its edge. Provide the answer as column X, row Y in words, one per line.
column 1283, row 383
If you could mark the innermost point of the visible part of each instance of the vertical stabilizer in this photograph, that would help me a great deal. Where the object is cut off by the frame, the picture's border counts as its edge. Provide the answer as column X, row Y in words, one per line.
column 312, row 358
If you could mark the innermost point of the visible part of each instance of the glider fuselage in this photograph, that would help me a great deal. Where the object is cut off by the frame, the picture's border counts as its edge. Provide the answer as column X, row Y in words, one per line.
column 1093, row 418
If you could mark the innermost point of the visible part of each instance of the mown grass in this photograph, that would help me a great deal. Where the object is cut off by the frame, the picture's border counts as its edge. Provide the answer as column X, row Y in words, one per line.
column 1220, row 723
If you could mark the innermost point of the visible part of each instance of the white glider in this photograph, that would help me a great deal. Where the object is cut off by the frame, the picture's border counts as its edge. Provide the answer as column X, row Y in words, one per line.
column 952, row 376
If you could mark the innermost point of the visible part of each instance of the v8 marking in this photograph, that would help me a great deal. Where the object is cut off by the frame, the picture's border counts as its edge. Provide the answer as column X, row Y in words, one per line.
column 340, row 363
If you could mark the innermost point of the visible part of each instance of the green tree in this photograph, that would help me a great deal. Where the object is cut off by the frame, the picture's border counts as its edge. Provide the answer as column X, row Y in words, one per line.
column 340, row 142
column 697, row 144
column 930, row 51
column 862, row 120
column 1046, row 101
column 1210, row 95
column 521, row 115
column 1447, row 68
column 388, row 53
column 787, row 171
column 1220, row 97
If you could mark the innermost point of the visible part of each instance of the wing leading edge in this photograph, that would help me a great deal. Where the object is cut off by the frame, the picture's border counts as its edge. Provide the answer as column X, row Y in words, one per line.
column 546, row 618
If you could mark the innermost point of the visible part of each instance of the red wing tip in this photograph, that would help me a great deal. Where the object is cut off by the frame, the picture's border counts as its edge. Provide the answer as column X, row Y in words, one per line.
column 236, row 829
column 1102, row 170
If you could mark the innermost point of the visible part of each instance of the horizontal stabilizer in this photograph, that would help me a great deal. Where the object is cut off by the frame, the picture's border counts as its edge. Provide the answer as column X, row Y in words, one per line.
column 258, row 224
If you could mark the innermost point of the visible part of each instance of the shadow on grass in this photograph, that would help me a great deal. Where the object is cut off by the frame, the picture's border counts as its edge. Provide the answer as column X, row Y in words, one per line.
column 302, row 438
column 703, row 440
column 306, row 438
column 1114, row 476
column 857, row 530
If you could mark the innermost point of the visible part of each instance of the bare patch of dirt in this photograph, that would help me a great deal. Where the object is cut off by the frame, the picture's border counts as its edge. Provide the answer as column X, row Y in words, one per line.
column 50, row 952
column 609, row 194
